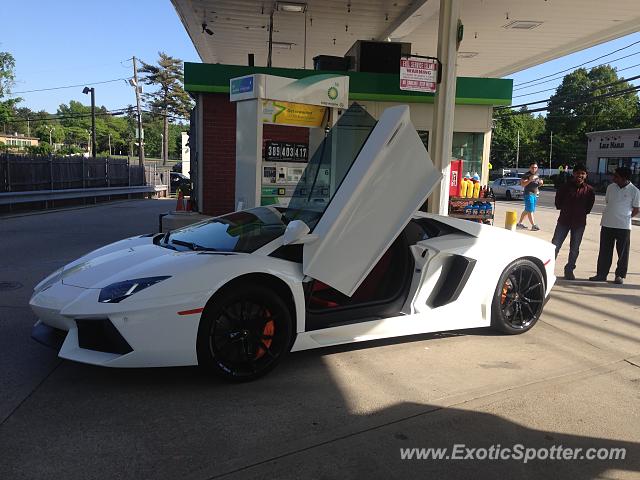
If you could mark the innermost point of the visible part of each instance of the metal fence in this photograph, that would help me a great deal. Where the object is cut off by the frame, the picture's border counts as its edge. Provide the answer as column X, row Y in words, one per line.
column 157, row 174
column 20, row 173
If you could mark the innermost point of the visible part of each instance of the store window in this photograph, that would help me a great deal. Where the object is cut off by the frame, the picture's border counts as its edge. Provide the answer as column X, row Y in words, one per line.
column 469, row 147
column 608, row 165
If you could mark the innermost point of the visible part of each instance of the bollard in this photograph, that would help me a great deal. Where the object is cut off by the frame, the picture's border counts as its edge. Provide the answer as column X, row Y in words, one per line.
column 510, row 220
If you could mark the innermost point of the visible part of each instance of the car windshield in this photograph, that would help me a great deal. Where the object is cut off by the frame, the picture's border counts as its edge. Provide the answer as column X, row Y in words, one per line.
column 243, row 231
column 512, row 181
column 248, row 230
column 329, row 165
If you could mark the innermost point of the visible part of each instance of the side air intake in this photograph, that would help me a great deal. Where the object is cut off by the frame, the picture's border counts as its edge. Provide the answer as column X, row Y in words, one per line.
column 455, row 273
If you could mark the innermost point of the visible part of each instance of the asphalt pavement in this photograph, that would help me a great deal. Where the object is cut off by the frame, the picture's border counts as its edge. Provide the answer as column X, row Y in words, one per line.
column 342, row 413
column 547, row 199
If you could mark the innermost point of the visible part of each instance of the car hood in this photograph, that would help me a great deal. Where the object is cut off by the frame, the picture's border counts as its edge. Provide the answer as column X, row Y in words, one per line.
column 124, row 260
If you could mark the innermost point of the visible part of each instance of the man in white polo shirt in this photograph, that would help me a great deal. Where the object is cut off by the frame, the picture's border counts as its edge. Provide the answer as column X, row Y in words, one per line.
column 623, row 203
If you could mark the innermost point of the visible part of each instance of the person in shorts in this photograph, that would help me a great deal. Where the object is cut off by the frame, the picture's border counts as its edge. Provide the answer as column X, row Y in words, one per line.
column 531, row 183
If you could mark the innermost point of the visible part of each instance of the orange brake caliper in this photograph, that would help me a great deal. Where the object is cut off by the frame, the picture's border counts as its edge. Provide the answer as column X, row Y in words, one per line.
column 268, row 331
column 505, row 290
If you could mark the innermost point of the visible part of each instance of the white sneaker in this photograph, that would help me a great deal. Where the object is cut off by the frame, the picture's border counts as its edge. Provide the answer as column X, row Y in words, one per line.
column 520, row 226
column 535, row 228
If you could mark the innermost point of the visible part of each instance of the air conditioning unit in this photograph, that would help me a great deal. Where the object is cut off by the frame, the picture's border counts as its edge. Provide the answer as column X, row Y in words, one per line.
column 377, row 57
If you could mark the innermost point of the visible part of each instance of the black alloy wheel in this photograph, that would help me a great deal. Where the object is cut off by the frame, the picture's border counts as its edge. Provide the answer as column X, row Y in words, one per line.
column 244, row 333
column 519, row 297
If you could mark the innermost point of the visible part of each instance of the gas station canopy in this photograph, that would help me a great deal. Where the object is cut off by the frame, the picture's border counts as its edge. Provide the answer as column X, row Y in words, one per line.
column 500, row 36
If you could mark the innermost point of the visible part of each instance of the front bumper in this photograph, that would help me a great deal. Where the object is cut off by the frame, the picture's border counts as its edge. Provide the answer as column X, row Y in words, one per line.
column 47, row 335
column 135, row 333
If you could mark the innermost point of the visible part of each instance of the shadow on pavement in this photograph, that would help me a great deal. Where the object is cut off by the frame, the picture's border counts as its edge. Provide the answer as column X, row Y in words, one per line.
column 296, row 423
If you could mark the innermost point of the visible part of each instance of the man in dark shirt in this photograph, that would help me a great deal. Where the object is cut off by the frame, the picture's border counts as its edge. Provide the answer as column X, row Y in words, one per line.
column 574, row 199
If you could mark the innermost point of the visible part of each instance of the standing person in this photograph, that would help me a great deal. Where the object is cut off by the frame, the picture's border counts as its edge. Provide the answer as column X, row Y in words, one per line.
column 622, row 203
column 531, row 183
column 575, row 200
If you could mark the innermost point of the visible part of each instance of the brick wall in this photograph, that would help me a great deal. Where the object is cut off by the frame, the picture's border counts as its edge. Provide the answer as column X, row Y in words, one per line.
column 219, row 154
column 219, row 151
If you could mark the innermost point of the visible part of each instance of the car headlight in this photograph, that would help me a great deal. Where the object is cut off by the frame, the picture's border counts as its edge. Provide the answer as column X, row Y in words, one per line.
column 116, row 292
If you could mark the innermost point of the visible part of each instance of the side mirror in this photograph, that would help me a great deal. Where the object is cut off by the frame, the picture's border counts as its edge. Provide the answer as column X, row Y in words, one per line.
column 297, row 232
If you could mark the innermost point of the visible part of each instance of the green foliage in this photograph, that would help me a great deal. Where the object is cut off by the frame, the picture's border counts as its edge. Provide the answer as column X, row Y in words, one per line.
column 69, row 150
column 505, row 139
column 41, row 149
column 71, row 124
column 576, row 109
column 7, row 78
column 7, row 75
column 169, row 100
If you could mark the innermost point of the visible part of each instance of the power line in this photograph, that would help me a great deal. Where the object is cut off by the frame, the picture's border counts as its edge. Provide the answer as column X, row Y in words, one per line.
column 561, row 76
column 555, row 88
column 113, row 112
column 578, row 102
column 68, row 86
column 597, row 87
column 117, row 111
column 582, row 64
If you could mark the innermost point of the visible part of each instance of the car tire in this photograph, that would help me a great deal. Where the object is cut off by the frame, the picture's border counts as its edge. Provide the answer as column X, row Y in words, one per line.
column 244, row 332
column 519, row 298
column 508, row 195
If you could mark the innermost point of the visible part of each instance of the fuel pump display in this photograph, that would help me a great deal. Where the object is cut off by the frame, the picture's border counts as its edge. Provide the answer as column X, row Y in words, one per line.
column 282, row 167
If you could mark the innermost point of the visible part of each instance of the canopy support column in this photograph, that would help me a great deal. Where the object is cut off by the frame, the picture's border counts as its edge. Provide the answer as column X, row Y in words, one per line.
column 445, row 100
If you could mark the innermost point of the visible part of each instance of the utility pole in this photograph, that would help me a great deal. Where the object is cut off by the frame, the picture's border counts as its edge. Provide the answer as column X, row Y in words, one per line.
column 270, row 38
column 518, row 151
column 109, row 144
column 28, row 128
column 550, row 151
column 140, row 134
column 92, row 91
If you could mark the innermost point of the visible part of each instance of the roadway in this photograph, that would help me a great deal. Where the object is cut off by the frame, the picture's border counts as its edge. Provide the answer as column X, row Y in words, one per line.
column 547, row 197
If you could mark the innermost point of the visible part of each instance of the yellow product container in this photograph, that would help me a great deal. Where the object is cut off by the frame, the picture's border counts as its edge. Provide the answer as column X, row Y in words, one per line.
column 469, row 189
column 510, row 220
column 464, row 185
column 476, row 190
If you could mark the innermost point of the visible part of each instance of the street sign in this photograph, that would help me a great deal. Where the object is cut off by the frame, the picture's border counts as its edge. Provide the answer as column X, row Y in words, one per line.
column 419, row 74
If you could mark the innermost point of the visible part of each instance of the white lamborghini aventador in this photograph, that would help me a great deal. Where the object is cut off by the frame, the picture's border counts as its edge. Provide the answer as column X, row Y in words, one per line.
column 350, row 259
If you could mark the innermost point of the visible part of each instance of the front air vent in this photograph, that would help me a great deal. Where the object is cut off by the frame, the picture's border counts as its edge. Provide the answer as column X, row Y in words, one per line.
column 523, row 24
column 102, row 336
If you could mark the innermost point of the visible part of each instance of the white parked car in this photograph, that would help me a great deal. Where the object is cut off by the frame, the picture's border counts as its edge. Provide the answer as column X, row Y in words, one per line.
column 508, row 187
column 349, row 260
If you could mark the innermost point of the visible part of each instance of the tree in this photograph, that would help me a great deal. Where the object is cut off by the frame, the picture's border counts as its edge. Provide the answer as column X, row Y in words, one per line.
column 170, row 99
column 7, row 77
column 504, row 140
column 583, row 103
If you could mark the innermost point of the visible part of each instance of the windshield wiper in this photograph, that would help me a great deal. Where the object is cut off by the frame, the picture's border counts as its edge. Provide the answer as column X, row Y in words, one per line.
column 192, row 246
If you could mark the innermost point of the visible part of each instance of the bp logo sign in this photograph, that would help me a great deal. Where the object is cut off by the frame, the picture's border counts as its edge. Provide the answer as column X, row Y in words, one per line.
column 332, row 93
